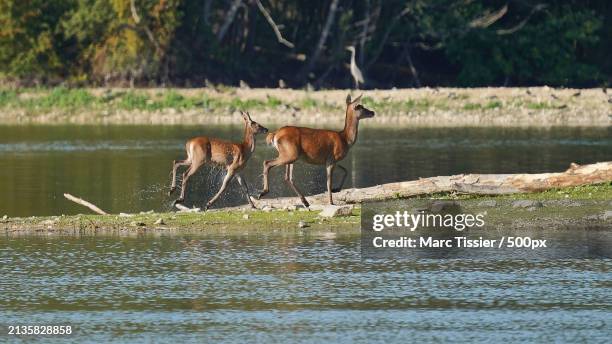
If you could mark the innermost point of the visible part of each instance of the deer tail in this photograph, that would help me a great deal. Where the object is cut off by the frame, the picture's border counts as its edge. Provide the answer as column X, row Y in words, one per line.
column 270, row 139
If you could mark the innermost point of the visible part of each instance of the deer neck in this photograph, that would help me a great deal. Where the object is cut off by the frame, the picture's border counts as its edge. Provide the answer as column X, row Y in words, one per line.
column 249, row 140
column 351, row 124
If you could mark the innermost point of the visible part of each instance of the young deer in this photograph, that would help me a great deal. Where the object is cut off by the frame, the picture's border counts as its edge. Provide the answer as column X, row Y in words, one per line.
column 232, row 156
column 315, row 146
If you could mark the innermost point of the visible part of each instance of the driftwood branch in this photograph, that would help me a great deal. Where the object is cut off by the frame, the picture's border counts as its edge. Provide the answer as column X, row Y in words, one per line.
column 279, row 35
column 481, row 184
column 186, row 209
column 85, row 203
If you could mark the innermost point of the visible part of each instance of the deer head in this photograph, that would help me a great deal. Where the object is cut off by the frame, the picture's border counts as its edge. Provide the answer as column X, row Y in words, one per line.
column 353, row 107
column 251, row 125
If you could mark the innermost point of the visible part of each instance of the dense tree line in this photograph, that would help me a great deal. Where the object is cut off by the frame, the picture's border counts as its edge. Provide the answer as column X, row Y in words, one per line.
column 398, row 43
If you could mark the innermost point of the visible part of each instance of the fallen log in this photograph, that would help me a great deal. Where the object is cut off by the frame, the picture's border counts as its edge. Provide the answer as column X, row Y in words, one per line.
column 85, row 203
column 478, row 184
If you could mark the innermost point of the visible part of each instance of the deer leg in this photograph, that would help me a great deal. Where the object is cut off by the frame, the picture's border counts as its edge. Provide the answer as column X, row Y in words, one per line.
column 345, row 173
column 245, row 187
column 287, row 154
column 330, row 172
column 289, row 180
column 190, row 172
column 226, row 180
column 175, row 166
column 267, row 166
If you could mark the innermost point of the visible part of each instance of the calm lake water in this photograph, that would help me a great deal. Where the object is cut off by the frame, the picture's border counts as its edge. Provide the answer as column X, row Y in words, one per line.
column 297, row 288
column 126, row 168
column 274, row 289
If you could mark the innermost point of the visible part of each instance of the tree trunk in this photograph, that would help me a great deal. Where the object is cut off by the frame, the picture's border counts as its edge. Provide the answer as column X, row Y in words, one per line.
column 229, row 19
column 312, row 60
column 364, row 34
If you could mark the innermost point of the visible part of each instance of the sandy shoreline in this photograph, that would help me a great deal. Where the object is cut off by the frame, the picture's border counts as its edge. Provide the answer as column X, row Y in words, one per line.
column 425, row 107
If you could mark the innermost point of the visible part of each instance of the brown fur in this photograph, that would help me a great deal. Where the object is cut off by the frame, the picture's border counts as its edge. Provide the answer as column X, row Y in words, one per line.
column 269, row 138
column 315, row 146
column 233, row 156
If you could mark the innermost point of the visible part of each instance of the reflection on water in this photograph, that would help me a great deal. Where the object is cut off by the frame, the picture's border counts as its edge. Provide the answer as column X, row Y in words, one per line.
column 307, row 289
column 126, row 168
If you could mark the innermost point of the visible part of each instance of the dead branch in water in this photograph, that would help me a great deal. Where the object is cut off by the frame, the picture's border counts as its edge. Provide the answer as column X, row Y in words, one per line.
column 85, row 203
column 186, row 209
column 477, row 184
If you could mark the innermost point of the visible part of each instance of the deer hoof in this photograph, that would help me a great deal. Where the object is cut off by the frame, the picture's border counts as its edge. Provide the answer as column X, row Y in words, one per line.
column 177, row 201
column 336, row 190
column 263, row 193
column 306, row 204
column 171, row 191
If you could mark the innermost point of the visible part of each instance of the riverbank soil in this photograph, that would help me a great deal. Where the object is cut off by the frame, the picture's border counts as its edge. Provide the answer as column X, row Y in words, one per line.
column 431, row 107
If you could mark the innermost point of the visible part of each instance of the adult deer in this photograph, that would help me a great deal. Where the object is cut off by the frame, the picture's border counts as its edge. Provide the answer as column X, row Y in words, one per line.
column 315, row 146
column 232, row 156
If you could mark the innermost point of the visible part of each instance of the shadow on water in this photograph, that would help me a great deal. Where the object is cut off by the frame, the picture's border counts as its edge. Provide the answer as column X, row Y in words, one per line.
column 126, row 168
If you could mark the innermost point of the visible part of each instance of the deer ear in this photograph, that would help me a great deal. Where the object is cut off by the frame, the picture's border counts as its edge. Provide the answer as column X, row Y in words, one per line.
column 348, row 99
column 356, row 100
column 244, row 115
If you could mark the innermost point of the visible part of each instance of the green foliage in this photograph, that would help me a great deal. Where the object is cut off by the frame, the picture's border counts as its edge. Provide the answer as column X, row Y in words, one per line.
column 109, row 42
column 418, row 105
column 30, row 43
column 477, row 106
column 133, row 101
column 66, row 98
column 547, row 51
column 56, row 98
column 308, row 103
column 8, row 97
column 63, row 99
column 601, row 191
column 539, row 105
column 273, row 102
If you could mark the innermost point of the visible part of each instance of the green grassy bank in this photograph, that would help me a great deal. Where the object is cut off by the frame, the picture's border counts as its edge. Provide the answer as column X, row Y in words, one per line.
column 425, row 106
column 242, row 221
column 39, row 100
